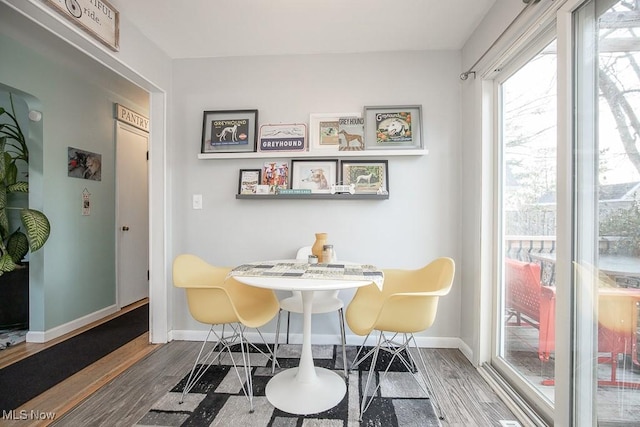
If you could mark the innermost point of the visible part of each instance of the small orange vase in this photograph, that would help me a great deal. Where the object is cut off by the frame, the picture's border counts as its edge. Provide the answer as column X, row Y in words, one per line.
column 316, row 249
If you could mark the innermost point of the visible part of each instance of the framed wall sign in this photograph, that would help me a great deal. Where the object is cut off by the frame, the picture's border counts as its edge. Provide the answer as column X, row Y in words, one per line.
column 368, row 176
column 229, row 131
column 283, row 137
column 324, row 130
column 249, row 181
column 98, row 18
column 315, row 175
column 393, row 127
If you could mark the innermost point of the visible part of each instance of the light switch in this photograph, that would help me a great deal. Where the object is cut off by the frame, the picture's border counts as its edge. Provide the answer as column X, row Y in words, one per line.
column 197, row 201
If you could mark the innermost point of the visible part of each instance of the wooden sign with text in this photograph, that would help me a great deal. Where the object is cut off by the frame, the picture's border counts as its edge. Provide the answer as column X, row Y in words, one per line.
column 96, row 17
column 131, row 117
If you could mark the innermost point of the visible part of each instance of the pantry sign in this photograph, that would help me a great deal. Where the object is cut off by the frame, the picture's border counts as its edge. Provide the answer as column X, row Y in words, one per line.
column 96, row 17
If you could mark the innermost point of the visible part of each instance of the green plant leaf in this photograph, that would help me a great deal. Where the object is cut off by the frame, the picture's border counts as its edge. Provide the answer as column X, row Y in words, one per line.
column 3, row 196
column 3, row 163
column 11, row 174
column 6, row 263
column 4, row 219
column 17, row 245
column 37, row 227
column 18, row 187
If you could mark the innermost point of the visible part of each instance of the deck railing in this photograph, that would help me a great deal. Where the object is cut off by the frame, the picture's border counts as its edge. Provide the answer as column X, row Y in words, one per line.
column 525, row 248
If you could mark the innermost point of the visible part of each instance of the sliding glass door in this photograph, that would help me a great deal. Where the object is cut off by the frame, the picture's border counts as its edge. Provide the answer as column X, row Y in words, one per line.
column 606, row 212
column 526, row 90
column 589, row 291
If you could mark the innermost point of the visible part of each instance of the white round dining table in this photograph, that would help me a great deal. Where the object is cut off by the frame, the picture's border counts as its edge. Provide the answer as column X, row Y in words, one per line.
column 306, row 389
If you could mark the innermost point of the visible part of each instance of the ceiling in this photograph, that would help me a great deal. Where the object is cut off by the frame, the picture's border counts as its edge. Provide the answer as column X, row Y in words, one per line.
column 219, row 28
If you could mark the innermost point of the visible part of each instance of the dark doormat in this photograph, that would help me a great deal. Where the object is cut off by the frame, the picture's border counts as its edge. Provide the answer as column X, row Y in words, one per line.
column 30, row 377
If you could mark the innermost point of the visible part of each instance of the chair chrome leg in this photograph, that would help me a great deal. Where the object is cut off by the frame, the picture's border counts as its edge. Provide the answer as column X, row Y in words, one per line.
column 357, row 361
column 246, row 363
column 275, row 345
column 427, row 380
column 220, row 341
column 189, row 384
column 372, row 369
column 196, row 373
column 414, row 367
column 344, row 343
column 288, row 322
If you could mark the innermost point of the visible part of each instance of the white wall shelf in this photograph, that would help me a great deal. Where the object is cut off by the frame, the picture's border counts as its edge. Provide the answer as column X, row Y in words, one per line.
column 313, row 154
column 313, row 196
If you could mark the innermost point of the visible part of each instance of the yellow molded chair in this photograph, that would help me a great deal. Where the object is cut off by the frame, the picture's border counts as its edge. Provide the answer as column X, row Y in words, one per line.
column 323, row 302
column 407, row 304
column 215, row 300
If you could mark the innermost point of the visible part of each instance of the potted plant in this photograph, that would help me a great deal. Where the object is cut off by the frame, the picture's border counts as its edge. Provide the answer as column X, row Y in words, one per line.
column 16, row 239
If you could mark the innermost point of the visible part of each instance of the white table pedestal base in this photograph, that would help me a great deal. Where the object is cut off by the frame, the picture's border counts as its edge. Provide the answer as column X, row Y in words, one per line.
column 306, row 389
column 289, row 394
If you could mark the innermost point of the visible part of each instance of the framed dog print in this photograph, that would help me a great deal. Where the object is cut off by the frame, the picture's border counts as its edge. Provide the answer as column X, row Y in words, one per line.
column 232, row 131
column 324, row 130
column 249, row 181
column 315, row 175
column 368, row 176
column 393, row 127
column 275, row 175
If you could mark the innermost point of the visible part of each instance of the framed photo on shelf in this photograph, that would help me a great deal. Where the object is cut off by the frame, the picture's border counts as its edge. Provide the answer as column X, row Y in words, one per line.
column 229, row 131
column 249, row 181
column 316, row 175
column 393, row 127
column 368, row 176
column 324, row 130
column 351, row 134
column 275, row 175
column 283, row 137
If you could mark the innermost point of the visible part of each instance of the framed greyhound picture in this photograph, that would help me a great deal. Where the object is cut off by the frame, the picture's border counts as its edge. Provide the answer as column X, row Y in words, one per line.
column 316, row 175
column 368, row 176
column 229, row 131
column 393, row 127
column 324, row 130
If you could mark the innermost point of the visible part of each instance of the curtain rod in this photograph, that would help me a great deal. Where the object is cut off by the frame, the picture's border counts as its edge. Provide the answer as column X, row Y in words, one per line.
column 465, row 75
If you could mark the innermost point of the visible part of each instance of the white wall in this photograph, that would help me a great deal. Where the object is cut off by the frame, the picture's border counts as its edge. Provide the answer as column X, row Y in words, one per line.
column 419, row 222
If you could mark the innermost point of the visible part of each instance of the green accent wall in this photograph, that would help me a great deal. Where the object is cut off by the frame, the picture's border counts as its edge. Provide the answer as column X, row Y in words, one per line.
column 74, row 275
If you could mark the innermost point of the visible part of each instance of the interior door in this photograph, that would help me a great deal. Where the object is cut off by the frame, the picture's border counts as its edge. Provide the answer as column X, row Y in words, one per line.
column 133, row 214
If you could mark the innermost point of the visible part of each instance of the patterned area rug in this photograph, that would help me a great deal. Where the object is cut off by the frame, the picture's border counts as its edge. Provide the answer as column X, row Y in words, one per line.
column 10, row 337
column 217, row 399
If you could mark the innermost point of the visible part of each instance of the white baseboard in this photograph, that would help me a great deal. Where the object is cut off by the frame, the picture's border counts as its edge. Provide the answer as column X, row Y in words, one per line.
column 318, row 339
column 58, row 331
column 466, row 351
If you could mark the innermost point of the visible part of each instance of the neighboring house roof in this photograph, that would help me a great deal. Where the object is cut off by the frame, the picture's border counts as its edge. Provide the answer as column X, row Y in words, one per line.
column 607, row 193
column 618, row 192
